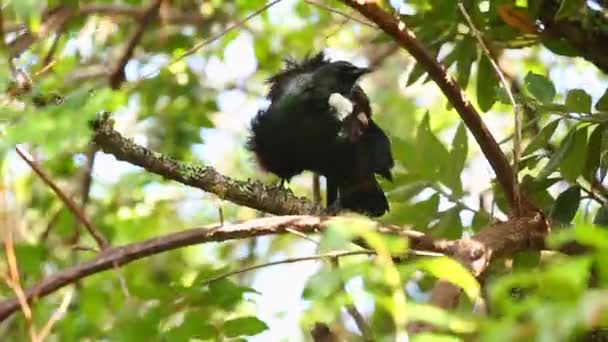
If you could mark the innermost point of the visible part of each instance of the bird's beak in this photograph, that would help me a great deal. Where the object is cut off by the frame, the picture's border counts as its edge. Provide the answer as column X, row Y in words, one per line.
column 363, row 71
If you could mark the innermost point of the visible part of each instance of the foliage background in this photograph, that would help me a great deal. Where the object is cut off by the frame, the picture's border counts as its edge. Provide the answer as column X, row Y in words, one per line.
column 197, row 109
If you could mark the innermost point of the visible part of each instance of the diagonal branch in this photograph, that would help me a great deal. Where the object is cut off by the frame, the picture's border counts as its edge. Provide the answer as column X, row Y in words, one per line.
column 517, row 109
column 438, row 73
column 273, row 200
column 72, row 206
column 118, row 75
column 118, row 256
column 336, row 255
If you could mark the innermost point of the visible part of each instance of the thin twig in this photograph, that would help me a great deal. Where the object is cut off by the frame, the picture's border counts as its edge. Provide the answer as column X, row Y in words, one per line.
column 591, row 194
column 85, row 179
column 220, row 214
column 530, row 123
column 25, row 308
column 517, row 108
column 451, row 198
column 3, row 45
column 12, row 280
column 57, row 315
column 44, row 69
column 302, row 235
column 118, row 75
column 316, row 188
column 51, row 224
column 101, row 241
column 288, row 261
column 213, row 38
column 352, row 310
column 48, row 59
column 346, row 15
column 376, row 60
column 83, row 248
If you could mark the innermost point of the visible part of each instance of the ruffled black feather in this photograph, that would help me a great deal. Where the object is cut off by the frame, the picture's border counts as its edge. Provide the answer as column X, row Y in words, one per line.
column 303, row 133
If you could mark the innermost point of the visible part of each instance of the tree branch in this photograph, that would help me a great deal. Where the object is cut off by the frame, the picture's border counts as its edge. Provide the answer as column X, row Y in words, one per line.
column 255, row 195
column 118, row 256
column 118, row 75
column 69, row 203
column 496, row 240
column 438, row 73
column 337, row 254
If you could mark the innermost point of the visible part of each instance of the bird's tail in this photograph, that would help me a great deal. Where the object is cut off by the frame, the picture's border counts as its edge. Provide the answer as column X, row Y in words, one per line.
column 373, row 156
column 364, row 196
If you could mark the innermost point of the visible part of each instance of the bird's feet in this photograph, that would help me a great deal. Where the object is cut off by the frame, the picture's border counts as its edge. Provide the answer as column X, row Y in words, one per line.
column 334, row 209
column 284, row 185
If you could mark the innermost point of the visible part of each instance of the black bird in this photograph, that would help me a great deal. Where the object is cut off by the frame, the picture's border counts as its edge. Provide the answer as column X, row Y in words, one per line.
column 300, row 131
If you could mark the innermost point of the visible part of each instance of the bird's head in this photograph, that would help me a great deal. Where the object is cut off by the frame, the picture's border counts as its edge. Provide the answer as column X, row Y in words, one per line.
column 338, row 77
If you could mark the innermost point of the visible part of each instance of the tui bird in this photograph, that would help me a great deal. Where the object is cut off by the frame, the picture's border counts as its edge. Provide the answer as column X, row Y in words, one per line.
column 319, row 120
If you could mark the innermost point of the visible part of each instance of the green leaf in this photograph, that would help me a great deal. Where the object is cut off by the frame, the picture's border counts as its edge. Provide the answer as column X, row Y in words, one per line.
column 440, row 318
column 433, row 168
column 322, row 284
column 418, row 214
column 458, row 156
column 193, row 326
column 558, row 156
column 418, row 70
column 602, row 103
column 449, row 226
column 248, row 326
column 526, row 259
column 30, row 258
column 467, row 53
column 578, row 101
column 480, row 220
column 452, row 271
column 542, row 138
column 224, row 293
column 574, row 161
column 55, row 3
column 487, row 84
column 569, row 8
column 434, row 337
column 540, row 87
column 592, row 161
column 561, row 47
column 450, row 58
column 405, row 192
column 601, row 218
column 28, row 10
column 604, row 152
column 536, row 188
column 566, row 205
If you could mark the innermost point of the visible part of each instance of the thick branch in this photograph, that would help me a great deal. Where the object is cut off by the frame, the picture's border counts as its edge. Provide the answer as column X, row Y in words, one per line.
column 496, row 240
column 255, row 195
column 118, row 256
column 438, row 73
column 587, row 33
